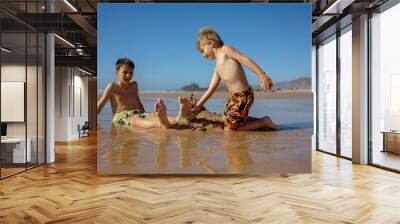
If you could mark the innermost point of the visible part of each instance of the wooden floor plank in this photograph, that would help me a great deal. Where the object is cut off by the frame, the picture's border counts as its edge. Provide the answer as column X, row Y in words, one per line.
column 69, row 191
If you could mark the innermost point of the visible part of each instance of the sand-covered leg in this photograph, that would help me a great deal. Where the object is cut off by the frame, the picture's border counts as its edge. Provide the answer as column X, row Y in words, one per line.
column 270, row 124
column 143, row 122
column 265, row 122
column 249, row 126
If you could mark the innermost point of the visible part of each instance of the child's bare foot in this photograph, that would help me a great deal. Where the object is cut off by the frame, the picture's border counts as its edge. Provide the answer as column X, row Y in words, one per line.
column 270, row 124
column 184, row 105
column 161, row 113
column 184, row 109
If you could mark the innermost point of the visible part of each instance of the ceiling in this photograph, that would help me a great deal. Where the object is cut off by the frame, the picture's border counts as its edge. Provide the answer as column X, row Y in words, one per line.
column 76, row 22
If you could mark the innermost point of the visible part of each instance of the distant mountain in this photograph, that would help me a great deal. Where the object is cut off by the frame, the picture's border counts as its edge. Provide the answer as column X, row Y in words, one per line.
column 300, row 83
column 192, row 87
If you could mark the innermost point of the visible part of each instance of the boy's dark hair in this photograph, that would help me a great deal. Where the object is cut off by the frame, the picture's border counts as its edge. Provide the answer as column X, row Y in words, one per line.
column 124, row 61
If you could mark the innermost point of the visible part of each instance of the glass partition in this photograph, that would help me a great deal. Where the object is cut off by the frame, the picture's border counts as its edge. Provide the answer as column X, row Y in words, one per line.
column 41, row 86
column 13, row 95
column 327, row 95
column 31, row 97
column 22, row 91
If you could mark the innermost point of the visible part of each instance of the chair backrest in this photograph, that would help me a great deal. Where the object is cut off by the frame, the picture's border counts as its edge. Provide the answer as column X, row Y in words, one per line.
column 86, row 125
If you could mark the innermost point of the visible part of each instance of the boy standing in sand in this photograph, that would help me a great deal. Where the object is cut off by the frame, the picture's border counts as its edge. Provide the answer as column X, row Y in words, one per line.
column 229, row 69
column 126, row 106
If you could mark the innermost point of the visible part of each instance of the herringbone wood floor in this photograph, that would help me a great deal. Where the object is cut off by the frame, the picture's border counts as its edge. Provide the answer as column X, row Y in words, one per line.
column 69, row 191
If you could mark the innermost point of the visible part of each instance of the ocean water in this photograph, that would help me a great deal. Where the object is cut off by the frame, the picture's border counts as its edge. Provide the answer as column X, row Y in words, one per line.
column 286, row 112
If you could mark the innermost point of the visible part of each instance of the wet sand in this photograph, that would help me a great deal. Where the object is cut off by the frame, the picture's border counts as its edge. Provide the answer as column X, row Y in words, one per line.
column 157, row 151
column 218, row 95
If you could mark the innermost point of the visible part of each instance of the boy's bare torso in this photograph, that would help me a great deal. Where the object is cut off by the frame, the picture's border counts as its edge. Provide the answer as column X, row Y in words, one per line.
column 124, row 98
column 231, row 73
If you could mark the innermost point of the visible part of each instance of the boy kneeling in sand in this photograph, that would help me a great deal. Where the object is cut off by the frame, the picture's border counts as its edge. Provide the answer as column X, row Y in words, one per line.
column 229, row 69
column 126, row 106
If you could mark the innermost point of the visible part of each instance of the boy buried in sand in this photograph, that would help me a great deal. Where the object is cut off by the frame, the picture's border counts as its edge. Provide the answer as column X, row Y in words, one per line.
column 125, row 102
column 228, row 69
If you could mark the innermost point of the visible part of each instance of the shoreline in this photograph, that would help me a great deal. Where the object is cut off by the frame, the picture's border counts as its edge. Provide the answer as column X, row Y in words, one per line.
column 217, row 95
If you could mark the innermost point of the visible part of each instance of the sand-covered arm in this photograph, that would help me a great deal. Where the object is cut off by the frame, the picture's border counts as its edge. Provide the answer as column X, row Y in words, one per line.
column 265, row 81
column 104, row 98
column 215, row 80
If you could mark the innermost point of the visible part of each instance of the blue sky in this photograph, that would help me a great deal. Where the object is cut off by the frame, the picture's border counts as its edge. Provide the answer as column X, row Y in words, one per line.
column 160, row 39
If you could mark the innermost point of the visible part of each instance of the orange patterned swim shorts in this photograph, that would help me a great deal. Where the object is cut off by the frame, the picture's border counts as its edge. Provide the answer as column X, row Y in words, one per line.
column 237, row 108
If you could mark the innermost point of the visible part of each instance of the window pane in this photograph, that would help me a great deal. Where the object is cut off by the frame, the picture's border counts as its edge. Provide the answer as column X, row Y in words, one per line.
column 327, row 95
column 346, row 92
column 385, row 84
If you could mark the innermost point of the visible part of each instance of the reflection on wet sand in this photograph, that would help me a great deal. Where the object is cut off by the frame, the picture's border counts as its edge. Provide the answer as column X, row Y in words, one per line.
column 153, row 151
column 161, row 155
column 156, row 151
column 238, row 158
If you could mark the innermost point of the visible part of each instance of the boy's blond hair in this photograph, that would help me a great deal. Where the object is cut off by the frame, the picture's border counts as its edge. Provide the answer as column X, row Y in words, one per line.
column 207, row 33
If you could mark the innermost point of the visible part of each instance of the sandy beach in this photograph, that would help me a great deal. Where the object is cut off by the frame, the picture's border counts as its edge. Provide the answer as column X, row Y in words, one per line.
column 217, row 95
column 159, row 151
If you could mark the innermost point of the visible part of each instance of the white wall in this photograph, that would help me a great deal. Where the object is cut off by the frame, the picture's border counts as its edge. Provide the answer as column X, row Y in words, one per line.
column 71, row 94
column 14, row 73
column 61, row 104
column 34, row 124
column 81, row 89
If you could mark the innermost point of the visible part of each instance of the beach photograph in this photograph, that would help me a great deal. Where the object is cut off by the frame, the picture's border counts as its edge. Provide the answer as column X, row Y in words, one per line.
column 197, row 89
